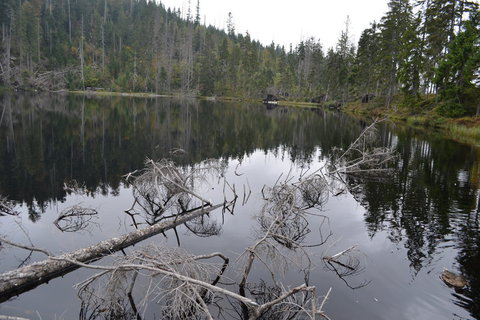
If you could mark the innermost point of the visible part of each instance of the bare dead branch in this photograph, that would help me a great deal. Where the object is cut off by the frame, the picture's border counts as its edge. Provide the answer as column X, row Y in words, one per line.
column 164, row 189
column 346, row 263
column 23, row 279
column 178, row 277
column 75, row 218
column 21, row 246
column 7, row 207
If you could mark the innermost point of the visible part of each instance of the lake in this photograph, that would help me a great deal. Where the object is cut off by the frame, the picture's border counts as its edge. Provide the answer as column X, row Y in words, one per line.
column 59, row 151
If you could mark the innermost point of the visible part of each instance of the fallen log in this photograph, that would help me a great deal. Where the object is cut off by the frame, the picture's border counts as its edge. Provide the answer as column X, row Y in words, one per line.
column 15, row 282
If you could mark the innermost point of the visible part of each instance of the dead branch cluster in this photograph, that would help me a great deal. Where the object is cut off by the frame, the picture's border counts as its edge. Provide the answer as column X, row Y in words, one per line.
column 184, row 286
column 203, row 227
column 180, row 282
column 281, row 220
column 50, row 80
column 75, row 218
column 73, row 186
column 365, row 156
column 163, row 189
column 187, row 291
column 7, row 207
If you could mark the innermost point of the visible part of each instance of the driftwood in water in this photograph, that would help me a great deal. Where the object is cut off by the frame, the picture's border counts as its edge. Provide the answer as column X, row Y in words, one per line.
column 17, row 281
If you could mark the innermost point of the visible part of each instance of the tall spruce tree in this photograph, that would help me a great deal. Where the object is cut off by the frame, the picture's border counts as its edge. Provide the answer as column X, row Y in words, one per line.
column 394, row 25
column 411, row 61
column 457, row 76
column 366, row 71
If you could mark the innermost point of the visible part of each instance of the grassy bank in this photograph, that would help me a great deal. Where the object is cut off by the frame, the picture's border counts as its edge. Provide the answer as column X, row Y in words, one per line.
column 466, row 128
column 422, row 116
column 118, row 94
column 5, row 89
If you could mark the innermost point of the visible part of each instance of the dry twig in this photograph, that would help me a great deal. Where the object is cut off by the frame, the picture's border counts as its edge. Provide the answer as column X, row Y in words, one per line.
column 7, row 207
column 75, row 218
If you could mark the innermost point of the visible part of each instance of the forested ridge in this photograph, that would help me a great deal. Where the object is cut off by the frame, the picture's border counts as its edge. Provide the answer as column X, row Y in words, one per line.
column 429, row 47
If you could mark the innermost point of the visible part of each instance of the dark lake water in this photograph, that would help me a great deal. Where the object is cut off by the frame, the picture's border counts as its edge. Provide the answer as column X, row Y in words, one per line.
column 57, row 151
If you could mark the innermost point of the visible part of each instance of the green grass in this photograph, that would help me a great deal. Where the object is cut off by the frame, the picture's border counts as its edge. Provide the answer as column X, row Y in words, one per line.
column 465, row 130
column 5, row 89
column 114, row 93
column 457, row 130
column 417, row 121
column 425, row 120
column 297, row 103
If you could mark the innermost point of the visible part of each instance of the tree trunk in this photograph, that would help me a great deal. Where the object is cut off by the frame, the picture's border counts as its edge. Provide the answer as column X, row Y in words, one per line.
column 17, row 281
column 82, row 61
column 69, row 22
column 103, row 35
column 38, row 43
column 103, row 47
column 7, row 64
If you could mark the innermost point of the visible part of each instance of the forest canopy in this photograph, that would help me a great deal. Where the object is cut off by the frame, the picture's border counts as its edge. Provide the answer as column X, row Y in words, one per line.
column 430, row 47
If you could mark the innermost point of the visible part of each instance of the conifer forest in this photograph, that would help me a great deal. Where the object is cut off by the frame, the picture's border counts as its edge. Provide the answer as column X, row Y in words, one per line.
column 417, row 49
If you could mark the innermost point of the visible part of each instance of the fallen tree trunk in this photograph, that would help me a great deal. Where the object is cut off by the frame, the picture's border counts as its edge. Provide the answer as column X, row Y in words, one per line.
column 17, row 281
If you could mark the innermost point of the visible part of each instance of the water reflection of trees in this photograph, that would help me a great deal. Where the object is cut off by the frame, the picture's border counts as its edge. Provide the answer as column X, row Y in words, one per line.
column 431, row 200
column 49, row 140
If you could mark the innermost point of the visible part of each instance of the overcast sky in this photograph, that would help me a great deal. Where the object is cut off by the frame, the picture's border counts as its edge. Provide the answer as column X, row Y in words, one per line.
column 289, row 21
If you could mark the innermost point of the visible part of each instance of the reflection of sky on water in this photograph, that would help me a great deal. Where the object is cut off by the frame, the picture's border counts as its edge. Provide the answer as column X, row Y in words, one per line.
column 394, row 292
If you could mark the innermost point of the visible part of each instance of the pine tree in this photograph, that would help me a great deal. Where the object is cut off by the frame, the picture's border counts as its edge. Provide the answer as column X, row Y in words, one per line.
column 230, row 25
column 197, row 13
column 457, row 76
column 346, row 53
column 441, row 18
column 366, row 71
column 394, row 25
column 411, row 61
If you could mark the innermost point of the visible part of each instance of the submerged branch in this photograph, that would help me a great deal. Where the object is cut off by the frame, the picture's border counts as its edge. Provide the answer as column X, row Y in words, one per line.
column 26, row 278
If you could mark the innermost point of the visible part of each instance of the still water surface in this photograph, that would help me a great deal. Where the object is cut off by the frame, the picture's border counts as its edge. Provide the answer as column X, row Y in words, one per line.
column 57, row 151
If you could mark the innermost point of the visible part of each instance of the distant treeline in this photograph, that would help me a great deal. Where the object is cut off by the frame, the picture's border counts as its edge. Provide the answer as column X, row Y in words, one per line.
column 430, row 47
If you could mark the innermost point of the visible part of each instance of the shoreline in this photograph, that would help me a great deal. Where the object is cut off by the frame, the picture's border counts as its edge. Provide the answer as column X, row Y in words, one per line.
column 285, row 103
column 464, row 130
column 455, row 129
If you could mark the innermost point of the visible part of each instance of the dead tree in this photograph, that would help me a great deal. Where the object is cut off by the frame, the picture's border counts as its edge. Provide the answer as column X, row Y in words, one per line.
column 283, row 223
column 112, row 288
column 161, row 184
column 17, row 281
